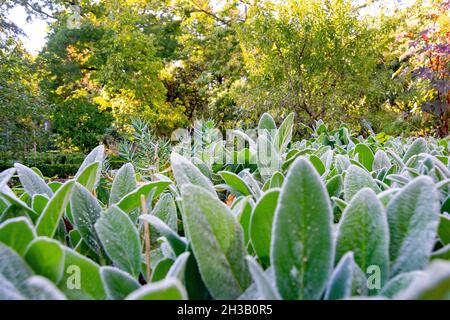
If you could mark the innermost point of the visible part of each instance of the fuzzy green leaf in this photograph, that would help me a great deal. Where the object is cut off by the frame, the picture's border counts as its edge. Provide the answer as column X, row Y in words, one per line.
column 88, row 177
column 124, row 183
column 357, row 178
column 85, row 212
column 120, row 240
column 261, row 224
column 46, row 257
column 217, row 242
column 444, row 229
column 166, row 210
column 363, row 230
column 168, row 289
column 238, row 185
column 347, row 280
column 185, row 172
column 418, row 146
column 118, row 284
column 96, row 155
column 302, row 245
column 31, row 181
column 365, row 155
column 81, row 278
column 17, row 233
column 132, row 200
column 266, row 289
column 413, row 215
column 50, row 217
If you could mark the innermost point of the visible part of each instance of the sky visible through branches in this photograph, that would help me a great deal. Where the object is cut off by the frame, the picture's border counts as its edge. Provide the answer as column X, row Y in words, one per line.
column 36, row 30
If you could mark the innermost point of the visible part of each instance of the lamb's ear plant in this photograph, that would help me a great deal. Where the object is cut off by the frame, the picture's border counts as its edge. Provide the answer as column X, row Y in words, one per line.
column 32, row 182
column 96, row 155
column 364, row 155
column 89, row 176
column 186, row 173
column 217, row 242
column 346, row 280
column 337, row 216
column 363, row 230
column 434, row 285
column 178, row 244
column 118, row 284
column 266, row 122
column 302, row 250
column 265, row 286
column 17, row 233
column 355, row 179
column 261, row 225
column 46, row 257
column 120, row 240
column 400, row 282
column 5, row 176
column 444, row 228
column 166, row 210
column 86, row 210
column 413, row 216
column 81, row 279
column 51, row 216
column 167, row 289
column 124, row 183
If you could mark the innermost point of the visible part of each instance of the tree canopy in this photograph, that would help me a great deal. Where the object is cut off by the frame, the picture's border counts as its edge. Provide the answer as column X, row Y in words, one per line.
column 170, row 62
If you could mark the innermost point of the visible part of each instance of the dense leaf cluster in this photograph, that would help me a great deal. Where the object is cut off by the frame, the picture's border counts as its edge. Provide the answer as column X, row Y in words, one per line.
column 335, row 216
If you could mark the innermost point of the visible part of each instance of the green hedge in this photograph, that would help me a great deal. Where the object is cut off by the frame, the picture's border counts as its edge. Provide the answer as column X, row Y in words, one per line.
column 51, row 164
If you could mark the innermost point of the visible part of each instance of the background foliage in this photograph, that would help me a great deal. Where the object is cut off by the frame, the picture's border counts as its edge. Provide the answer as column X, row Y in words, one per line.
column 372, row 65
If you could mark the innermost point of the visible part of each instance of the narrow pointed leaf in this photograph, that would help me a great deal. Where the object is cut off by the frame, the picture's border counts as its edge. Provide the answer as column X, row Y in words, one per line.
column 363, row 230
column 120, row 240
column 85, row 212
column 187, row 173
column 357, row 178
column 413, row 215
column 5, row 176
column 96, row 155
column 217, row 242
column 133, row 199
column 261, row 224
column 284, row 133
column 347, row 280
column 302, row 246
column 124, row 183
column 266, row 288
column 178, row 268
column 88, row 177
column 31, row 181
column 50, row 217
